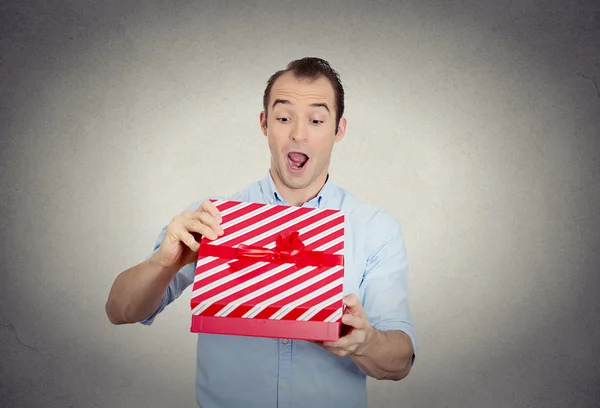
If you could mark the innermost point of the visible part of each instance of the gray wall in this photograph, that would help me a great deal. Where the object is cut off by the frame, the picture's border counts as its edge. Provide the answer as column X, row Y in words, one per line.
column 476, row 123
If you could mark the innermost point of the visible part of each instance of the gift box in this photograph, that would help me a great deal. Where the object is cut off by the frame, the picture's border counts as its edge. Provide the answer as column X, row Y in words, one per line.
column 277, row 271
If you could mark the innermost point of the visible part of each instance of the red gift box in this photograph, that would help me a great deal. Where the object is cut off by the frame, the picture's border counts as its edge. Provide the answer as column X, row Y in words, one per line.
column 277, row 271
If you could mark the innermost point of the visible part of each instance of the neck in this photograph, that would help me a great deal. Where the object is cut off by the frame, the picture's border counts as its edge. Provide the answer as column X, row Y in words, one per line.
column 297, row 197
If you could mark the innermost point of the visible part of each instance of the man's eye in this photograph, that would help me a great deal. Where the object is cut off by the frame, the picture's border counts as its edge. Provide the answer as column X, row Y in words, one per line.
column 283, row 119
column 316, row 122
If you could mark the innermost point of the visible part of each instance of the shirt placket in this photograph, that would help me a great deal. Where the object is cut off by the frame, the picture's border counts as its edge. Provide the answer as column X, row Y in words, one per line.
column 285, row 373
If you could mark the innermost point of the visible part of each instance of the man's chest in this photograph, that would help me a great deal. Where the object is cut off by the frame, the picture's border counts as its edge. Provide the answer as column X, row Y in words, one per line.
column 355, row 260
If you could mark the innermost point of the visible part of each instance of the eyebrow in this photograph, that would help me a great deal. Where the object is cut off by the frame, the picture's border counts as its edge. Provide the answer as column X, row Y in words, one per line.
column 281, row 101
column 319, row 105
column 314, row 105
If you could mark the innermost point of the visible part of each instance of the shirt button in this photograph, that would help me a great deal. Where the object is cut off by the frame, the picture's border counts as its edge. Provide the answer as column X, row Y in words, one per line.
column 283, row 385
column 285, row 341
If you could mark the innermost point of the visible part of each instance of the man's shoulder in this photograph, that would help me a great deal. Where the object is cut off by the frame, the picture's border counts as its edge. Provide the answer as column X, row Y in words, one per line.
column 372, row 227
column 364, row 213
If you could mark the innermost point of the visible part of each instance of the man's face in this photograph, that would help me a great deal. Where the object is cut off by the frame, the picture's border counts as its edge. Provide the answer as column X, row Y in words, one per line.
column 301, row 130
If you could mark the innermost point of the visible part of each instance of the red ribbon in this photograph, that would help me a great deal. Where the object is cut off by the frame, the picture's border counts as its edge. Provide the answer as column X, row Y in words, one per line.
column 289, row 248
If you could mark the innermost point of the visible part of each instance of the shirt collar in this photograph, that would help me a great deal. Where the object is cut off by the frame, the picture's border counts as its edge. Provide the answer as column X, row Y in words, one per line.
column 272, row 196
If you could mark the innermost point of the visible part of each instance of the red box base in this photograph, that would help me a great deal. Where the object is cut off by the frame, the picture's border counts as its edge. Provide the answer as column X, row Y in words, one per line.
column 288, row 329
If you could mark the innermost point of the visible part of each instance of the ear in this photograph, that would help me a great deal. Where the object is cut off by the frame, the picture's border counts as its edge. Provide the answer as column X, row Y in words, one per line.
column 263, row 123
column 341, row 130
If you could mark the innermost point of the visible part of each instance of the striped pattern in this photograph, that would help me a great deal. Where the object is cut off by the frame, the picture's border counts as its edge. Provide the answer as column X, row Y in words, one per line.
column 267, row 290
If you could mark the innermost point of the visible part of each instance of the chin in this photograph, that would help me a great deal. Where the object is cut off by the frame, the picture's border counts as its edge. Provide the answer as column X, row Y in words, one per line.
column 296, row 181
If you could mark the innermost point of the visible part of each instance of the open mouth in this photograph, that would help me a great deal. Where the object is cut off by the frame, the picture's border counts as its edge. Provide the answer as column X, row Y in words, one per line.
column 297, row 160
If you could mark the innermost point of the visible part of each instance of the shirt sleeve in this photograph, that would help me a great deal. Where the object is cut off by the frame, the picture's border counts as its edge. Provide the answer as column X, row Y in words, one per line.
column 183, row 278
column 385, row 281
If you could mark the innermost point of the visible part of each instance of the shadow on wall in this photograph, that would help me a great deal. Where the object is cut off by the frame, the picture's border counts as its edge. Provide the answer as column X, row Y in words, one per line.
column 77, row 374
column 57, row 375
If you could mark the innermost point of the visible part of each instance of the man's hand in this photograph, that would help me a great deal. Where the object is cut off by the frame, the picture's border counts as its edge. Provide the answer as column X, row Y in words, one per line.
column 381, row 355
column 357, row 333
column 180, row 245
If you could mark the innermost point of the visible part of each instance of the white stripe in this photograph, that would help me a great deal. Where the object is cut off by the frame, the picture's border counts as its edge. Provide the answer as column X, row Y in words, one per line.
column 246, row 216
column 258, row 308
column 292, row 305
column 232, row 305
column 317, row 308
column 334, row 316
column 208, row 302
column 258, row 224
column 217, row 203
column 324, row 234
column 210, row 272
column 330, row 244
column 234, row 208
column 322, row 221
column 289, row 223
column 205, row 260
column 227, row 278
column 278, row 228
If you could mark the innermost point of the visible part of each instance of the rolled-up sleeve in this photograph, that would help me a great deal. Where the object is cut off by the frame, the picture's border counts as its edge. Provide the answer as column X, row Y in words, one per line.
column 385, row 281
column 181, row 280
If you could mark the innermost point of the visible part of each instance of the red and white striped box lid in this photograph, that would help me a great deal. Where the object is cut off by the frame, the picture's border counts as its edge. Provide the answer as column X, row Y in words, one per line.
column 271, row 290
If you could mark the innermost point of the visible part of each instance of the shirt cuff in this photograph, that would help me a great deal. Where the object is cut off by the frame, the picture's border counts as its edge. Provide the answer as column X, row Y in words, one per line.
column 403, row 327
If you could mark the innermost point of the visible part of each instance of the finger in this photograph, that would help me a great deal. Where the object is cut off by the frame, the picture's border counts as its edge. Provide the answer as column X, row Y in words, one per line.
column 182, row 235
column 356, row 334
column 330, row 344
column 353, row 304
column 342, row 344
column 210, row 208
column 351, row 300
column 195, row 225
column 342, row 351
column 202, row 223
column 211, row 222
column 189, row 214
column 356, row 322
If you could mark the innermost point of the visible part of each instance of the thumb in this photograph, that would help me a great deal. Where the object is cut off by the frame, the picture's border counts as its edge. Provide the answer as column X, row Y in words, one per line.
column 353, row 305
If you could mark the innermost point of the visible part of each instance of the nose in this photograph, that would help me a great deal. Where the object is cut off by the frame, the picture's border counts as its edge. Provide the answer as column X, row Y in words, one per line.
column 299, row 131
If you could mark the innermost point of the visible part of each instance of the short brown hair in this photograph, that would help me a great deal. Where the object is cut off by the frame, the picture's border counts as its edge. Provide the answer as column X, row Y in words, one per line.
column 311, row 68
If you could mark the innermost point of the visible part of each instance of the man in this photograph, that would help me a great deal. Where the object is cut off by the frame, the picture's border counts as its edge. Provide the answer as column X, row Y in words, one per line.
column 302, row 120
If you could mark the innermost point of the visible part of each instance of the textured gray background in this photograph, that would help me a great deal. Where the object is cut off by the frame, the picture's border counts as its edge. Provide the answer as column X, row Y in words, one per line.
column 476, row 123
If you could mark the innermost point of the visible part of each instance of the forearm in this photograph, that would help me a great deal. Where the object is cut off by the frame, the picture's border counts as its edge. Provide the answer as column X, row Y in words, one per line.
column 386, row 356
column 136, row 292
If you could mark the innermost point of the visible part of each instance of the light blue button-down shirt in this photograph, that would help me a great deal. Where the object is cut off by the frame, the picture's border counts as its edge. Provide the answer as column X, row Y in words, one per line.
column 252, row 372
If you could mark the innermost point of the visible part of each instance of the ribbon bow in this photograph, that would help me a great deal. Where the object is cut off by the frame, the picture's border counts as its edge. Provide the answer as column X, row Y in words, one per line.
column 288, row 245
column 289, row 248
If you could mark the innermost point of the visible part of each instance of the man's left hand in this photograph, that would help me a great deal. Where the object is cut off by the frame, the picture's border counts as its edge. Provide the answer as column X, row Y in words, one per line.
column 359, row 331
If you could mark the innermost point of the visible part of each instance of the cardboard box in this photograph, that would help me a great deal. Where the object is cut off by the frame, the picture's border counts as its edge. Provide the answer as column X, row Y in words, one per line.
column 277, row 271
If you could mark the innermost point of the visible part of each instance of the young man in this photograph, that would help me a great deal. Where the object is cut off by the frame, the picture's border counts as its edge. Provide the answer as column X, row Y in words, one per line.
column 302, row 120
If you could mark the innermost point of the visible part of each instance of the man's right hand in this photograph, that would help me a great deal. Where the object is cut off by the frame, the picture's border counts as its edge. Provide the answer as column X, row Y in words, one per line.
column 180, row 245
